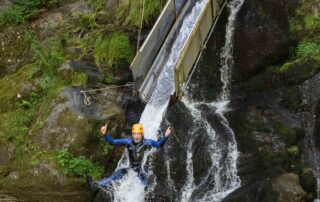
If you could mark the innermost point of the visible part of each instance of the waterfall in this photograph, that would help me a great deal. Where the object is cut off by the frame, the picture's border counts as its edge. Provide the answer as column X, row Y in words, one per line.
column 227, row 51
column 223, row 169
column 130, row 188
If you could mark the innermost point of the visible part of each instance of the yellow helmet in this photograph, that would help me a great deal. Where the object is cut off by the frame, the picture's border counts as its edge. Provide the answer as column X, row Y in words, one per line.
column 137, row 128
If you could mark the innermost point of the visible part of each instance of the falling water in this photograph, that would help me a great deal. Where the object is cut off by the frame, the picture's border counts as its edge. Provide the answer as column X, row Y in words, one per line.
column 130, row 188
column 227, row 51
column 223, row 170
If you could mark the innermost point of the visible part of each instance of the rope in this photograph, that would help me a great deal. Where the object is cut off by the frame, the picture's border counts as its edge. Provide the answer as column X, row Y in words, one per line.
column 141, row 23
column 106, row 88
column 87, row 99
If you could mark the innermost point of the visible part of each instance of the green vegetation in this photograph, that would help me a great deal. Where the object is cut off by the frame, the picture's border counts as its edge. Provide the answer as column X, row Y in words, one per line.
column 113, row 48
column 79, row 79
column 86, row 21
column 109, row 79
column 129, row 12
column 309, row 48
column 78, row 166
column 97, row 5
column 293, row 150
column 22, row 10
column 305, row 20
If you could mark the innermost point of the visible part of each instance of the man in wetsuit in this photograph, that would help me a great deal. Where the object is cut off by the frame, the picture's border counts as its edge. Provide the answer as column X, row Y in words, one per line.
column 136, row 146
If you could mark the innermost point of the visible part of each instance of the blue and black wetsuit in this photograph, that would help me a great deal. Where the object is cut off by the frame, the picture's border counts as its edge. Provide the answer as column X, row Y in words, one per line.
column 135, row 153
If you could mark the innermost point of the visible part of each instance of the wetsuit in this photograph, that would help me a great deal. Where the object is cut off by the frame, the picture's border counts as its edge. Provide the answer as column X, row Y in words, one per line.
column 135, row 153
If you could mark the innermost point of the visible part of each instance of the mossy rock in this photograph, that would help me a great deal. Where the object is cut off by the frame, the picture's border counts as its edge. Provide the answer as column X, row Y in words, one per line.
column 64, row 130
column 18, row 85
column 308, row 181
column 289, row 189
column 299, row 70
column 291, row 98
column 306, row 21
column 14, row 50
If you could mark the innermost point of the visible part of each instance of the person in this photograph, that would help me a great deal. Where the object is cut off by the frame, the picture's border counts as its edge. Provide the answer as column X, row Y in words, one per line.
column 135, row 146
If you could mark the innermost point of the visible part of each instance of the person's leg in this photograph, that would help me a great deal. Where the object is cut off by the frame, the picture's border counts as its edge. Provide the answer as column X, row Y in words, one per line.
column 143, row 177
column 118, row 174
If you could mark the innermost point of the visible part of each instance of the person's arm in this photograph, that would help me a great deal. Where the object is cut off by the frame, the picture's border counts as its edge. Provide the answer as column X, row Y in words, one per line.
column 160, row 142
column 156, row 144
column 116, row 142
column 110, row 140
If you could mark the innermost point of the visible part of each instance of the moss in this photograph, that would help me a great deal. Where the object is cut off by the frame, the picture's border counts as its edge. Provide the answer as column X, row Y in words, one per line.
column 112, row 49
column 293, row 150
column 14, row 82
column 265, row 80
column 289, row 135
column 310, row 47
column 299, row 70
column 79, row 79
column 306, row 21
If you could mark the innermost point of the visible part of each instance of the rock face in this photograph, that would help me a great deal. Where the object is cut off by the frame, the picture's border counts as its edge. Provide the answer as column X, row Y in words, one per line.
column 275, row 111
column 262, row 35
column 70, row 123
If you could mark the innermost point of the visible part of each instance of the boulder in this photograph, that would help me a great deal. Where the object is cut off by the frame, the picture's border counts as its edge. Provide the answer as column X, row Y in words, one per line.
column 308, row 181
column 288, row 188
column 70, row 123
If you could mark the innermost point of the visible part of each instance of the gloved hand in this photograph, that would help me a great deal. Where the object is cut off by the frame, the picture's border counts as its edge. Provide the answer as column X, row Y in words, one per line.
column 104, row 129
column 168, row 132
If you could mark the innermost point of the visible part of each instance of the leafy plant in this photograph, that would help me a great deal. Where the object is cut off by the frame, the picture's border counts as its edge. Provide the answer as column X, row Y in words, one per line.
column 23, row 10
column 308, row 49
column 109, row 79
column 97, row 5
column 112, row 49
column 293, row 150
column 129, row 12
column 78, row 166
column 25, row 104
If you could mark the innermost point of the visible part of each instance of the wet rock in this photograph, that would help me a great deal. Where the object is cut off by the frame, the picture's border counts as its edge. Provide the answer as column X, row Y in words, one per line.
column 262, row 36
column 289, row 189
column 69, row 68
column 308, row 181
column 258, row 190
column 283, row 188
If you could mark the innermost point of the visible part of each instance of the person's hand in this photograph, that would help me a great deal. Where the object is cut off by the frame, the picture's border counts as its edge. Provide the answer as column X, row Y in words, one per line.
column 168, row 132
column 104, row 129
